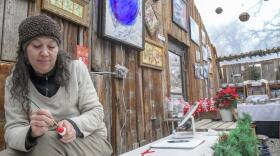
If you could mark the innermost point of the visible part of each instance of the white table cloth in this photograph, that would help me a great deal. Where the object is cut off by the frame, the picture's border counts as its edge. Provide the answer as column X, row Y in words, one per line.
column 201, row 150
column 261, row 112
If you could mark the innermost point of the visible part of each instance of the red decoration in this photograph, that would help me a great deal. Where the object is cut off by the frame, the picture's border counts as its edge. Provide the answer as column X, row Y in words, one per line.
column 147, row 151
column 204, row 105
column 59, row 129
column 82, row 53
column 226, row 98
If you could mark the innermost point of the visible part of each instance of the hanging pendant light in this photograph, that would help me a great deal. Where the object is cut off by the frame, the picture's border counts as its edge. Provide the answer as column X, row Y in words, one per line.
column 244, row 16
column 219, row 10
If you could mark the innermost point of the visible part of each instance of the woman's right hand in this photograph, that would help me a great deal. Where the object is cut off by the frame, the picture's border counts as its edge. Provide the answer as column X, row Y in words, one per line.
column 40, row 121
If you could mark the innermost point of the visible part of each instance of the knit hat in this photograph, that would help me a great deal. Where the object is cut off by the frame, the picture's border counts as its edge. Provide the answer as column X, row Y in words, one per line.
column 35, row 26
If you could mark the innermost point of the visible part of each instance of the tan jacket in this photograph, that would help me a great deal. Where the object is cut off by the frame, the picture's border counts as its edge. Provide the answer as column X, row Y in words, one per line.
column 79, row 103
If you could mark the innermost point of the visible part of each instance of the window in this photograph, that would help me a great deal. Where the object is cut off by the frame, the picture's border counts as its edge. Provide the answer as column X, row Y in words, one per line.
column 176, row 81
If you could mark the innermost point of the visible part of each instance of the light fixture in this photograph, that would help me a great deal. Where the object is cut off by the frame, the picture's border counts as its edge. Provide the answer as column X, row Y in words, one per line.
column 219, row 10
column 244, row 16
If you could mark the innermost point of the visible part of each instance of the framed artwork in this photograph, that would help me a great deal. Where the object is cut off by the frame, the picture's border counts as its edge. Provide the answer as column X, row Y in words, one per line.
column 205, row 71
column 194, row 31
column 210, row 68
column 203, row 37
column 175, row 72
column 122, row 21
column 153, row 55
column 198, row 71
column 197, row 56
column 180, row 14
column 201, row 74
column 205, row 53
column 73, row 10
column 209, row 53
column 151, row 20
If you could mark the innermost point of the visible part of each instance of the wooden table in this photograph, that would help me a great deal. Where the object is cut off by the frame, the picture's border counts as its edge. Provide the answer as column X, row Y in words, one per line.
column 205, row 124
column 203, row 149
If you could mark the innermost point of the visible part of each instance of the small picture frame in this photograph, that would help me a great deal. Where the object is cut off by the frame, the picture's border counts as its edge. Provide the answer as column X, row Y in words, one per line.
column 205, row 71
column 209, row 52
column 205, row 53
column 180, row 14
column 151, row 20
column 73, row 10
column 203, row 37
column 194, row 31
column 198, row 71
column 153, row 55
column 197, row 55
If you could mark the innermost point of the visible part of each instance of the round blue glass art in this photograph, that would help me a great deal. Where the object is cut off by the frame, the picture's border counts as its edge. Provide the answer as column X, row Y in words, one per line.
column 125, row 11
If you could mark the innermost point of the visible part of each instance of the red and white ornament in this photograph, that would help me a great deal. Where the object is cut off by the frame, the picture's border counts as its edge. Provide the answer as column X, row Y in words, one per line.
column 61, row 130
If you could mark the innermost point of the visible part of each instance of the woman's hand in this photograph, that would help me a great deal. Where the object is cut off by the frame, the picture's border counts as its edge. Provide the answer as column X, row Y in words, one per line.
column 40, row 122
column 70, row 131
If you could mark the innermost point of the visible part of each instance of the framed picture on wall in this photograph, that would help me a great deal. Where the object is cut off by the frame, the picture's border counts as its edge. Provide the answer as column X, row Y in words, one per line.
column 198, row 71
column 73, row 10
column 151, row 20
column 194, row 31
column 205, row 71
column 180, row 14
column 153, row 55
column 122, row 21
column 205, row 53
column 203, row 37
column 209, row 52
column 197, row 55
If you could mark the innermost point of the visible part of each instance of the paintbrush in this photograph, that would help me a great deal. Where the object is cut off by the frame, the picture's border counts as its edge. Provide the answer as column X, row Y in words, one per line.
column 40, row 108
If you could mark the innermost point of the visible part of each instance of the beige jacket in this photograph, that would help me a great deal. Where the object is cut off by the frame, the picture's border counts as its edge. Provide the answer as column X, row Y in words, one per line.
column 80, row 104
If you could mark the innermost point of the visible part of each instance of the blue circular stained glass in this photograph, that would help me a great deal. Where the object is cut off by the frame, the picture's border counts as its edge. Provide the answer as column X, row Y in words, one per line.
column 125, row 11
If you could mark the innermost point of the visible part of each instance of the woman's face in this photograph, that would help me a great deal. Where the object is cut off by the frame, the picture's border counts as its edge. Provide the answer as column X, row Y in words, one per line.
column 42, row 54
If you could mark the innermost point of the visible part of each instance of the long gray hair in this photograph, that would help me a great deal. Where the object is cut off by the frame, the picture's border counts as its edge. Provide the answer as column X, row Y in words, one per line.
column 20, row 78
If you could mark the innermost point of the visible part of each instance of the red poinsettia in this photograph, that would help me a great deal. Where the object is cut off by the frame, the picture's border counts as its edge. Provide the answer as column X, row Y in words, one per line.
column 226, row 98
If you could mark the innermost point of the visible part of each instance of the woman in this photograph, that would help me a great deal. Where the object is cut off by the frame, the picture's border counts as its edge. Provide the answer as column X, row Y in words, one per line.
column 47, row 90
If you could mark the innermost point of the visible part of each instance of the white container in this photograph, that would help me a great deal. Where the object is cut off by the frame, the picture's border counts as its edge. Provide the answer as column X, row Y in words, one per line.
column 226, row 114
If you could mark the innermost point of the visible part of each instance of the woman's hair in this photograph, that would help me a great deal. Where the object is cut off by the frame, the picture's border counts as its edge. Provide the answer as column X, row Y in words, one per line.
column 20, row 78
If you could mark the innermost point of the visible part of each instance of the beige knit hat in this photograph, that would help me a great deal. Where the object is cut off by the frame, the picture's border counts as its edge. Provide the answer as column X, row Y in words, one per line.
column 35, row 26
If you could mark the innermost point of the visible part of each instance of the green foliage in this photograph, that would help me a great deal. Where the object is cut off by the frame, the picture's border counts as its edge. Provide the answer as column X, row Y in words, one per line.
column 250, row 54
column 254, row 74
column 241, row 141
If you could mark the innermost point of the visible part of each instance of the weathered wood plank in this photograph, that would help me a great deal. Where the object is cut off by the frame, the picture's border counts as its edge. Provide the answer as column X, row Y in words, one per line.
column 2, row 4
column 217, row 125
column 104, row 91
column 225, row 126
column 147, row 102
column 158, row 97
column 202, row 122
column 207, row 126
column 132, row 138
column 34, row 8
column 120, row 58
column 15, row 12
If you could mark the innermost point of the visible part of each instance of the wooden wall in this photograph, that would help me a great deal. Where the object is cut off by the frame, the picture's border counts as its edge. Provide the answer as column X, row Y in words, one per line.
column 269, row 69
column 134, row 106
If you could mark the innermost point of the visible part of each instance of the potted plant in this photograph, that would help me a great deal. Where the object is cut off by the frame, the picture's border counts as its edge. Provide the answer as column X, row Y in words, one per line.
column 226, row 102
